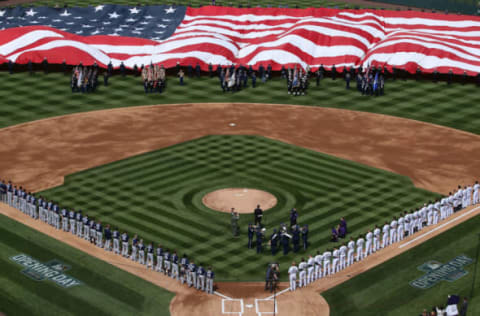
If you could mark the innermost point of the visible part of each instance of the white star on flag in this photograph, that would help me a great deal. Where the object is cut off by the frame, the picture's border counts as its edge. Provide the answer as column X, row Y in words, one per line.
column 57, row 20
column 31, row 12
column 113, row 15
column 130, row 20
column 144, row 23
column 107, row 23
column 95, row 32
column 99, row 8
column 162, row 26
column 78, row 17
column 170, row 10
column 79, row 32
column 159, row 32
column 65, row 13
column 2, row 12
column 134, row 11
column 86, row 26
column 148, row 17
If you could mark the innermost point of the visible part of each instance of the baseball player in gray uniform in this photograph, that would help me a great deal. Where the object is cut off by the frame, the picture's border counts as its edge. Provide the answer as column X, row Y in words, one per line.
column 99, row 231
column 116, row 241
column 141, row 252
column 79, row 219
column 200, row 278
column 210, row 278
column 10, row 194
column 86, row 227
column 133, row 256
column 476, row 193
column 167, row 265
column 51, row 214
column 175, row 265
column 159, row 267
column 71, row 220
column 125, row 244
column 150, row 262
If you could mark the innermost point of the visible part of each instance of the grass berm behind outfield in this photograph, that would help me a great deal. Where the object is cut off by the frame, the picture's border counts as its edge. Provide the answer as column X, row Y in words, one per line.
column 106, row 290
column 385, row 289
column 27, row 98
column 159, row 196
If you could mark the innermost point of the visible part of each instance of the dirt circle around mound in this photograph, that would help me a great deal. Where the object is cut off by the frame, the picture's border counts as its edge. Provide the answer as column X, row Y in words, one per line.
column 243, row 200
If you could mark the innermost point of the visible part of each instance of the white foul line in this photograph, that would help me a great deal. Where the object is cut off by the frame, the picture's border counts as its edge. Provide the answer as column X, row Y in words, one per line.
column 438, row 227
column 277, row 294
column 221, row 295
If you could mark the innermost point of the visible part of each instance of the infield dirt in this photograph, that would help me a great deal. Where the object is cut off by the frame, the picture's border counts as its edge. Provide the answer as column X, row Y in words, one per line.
column 39, row 154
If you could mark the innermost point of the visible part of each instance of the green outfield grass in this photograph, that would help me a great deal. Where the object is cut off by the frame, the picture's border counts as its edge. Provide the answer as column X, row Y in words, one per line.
column 158, row 195
column 197, row 3
column 385, row 290
column 106, row 290
column 26, row 98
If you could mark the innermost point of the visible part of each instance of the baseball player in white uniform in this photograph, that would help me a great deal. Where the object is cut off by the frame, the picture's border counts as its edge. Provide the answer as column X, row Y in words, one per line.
column 335, row 261
column 376, row 239
column 400, row 227
column 436, row 215
column 326, row 262
column 318, row 265
column 302, row 276
column 386, row 231
column 310, row 270
column 393, row 231
column 351, row 250
column 476, row 191
column 465, row 198
column 360, row 253
column 292, row 276
column 429, row 216
column 343, row 255
column 368, row 243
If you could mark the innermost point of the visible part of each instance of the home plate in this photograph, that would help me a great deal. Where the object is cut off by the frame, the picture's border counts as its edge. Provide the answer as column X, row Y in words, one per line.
column 249, row 305
column 232, row 124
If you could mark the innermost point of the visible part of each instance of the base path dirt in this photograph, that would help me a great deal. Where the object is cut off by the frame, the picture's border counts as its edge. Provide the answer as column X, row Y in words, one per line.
column 242, row 200
column 250, row 296
column 40, row 154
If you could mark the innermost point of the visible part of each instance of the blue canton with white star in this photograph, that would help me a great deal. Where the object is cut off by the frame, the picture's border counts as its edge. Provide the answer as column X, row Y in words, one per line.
column 149, row 22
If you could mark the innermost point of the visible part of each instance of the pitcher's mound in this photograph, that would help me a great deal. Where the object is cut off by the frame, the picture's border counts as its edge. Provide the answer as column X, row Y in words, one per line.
column 243, row 200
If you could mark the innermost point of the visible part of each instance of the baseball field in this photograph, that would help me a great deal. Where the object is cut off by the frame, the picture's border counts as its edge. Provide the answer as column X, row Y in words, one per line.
column 104, row 289
column 144, row 163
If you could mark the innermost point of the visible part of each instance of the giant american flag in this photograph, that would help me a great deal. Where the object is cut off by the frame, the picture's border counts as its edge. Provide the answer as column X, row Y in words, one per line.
column 311, row 37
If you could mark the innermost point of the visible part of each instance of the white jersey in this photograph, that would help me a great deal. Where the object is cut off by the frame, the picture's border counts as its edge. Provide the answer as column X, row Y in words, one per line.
column 476, row 188
column 335, row 253
column 318, row 259
column 360, row 242
column 302, row 266
column 351, row 244
column 369, row 236
column 400, row 221
column 393, row 224
column 376, row 232
column 343, row 251
column 386, row 228
column 326, row 256
column 311, row 262
column 292, row 271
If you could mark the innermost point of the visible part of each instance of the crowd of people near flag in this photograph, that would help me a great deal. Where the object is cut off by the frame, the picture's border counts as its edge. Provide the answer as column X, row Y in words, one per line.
column 79, row 224
column 84, row 78
column 154, row 78
column 331, row 261
column 297, row 80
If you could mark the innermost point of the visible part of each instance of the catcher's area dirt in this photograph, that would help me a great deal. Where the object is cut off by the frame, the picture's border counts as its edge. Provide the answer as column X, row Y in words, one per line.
column 39, row 154
column 242, row 200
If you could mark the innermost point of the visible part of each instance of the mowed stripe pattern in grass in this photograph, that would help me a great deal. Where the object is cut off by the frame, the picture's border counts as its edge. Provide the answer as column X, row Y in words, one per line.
column 105, row 289
column 158, row 195
column 27, row 98
column 385, row 289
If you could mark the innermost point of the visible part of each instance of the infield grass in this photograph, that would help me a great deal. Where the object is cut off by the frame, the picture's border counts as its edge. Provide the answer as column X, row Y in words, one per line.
column 106, row 290
column 385, row 289
column 27, row 98
column 158, row 195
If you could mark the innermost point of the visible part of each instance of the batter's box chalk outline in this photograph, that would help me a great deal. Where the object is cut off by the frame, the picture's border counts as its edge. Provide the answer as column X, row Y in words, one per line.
column 240, row 313
column 257, row 309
